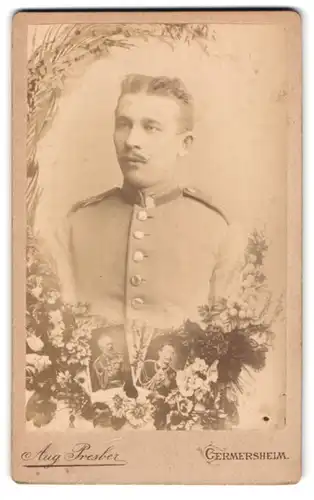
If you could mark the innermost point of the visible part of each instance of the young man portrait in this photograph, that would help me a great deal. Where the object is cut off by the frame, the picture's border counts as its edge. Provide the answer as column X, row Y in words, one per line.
column 151, row 250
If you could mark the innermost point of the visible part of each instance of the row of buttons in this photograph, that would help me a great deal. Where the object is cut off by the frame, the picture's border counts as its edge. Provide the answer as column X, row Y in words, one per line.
column 138, row 256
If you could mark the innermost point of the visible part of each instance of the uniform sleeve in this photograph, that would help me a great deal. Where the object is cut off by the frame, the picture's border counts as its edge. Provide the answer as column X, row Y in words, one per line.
column 226, row 278
column 57, row 249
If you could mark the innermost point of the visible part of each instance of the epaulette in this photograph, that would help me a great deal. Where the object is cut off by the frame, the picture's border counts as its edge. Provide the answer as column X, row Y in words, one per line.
column 202, row 198
column 92, row 200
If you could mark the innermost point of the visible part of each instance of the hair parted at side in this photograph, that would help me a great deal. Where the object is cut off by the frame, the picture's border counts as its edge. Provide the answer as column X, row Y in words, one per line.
column 173, row 88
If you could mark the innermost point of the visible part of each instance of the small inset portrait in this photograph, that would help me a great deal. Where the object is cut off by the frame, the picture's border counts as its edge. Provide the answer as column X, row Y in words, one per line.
column 158, row 374
column 107, row 366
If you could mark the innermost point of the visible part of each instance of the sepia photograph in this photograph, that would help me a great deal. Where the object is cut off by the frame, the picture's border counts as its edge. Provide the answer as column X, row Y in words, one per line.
column 157, row 228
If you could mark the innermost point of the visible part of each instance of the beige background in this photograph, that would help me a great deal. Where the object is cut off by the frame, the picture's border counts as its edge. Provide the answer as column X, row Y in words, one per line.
column 239, row 155
column 250, row 148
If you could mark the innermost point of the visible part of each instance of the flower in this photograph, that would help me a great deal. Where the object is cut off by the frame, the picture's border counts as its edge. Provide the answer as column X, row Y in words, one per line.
column 37, row 291
column 199, row 365
column 249, row 281
column 249, row 268
column 55, row 316
column 37, row 362
column 35, row 343
column 227, row 319
column 58, row 329
column 213, row 372
column 117, row 406
column 252, row 258
column 241, row 303
column 77, row 349
column 80, row 308
column 185, row 383
column 171, row 399
column 242, row 314
column 193, row 384
column 52, row 296
column 84, row 332
column 64, row 378
column 192, row 381
column 233, row 312
column 56, row 335
column 201, row 388
column 137, row 412
column 224, row 316
column 185, row 406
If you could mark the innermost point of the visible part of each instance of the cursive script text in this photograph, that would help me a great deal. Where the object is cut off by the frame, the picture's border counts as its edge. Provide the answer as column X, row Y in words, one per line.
column 80, row 454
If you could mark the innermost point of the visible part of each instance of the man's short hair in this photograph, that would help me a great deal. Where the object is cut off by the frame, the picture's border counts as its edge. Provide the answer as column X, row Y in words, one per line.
column 173, row 88
column 103, row 336
column 167, row 344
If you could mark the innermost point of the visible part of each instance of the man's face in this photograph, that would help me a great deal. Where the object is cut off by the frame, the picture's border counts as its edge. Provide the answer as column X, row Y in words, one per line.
column 166, row 355
column 147, row 138
column 105, row 345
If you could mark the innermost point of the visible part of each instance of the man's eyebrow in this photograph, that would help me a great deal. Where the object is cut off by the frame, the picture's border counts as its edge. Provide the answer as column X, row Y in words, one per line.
column 123, row 117
column 151, row 120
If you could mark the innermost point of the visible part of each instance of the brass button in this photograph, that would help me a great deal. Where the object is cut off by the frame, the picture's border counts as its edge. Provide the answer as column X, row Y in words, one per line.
column 137, row 302
column 149, row 202
column 138, row 235
column 138, row 256
column 142, row 215
column 136, row 280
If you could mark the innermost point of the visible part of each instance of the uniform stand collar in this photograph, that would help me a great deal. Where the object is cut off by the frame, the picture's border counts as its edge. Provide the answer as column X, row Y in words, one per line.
column 150, row 197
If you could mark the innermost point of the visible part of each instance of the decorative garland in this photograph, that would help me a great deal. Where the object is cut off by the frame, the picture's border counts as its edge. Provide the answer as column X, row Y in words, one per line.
column 232, row 335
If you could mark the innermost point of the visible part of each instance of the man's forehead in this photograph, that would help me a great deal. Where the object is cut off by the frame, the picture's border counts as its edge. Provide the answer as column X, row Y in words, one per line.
column 142, row 105
column 167, row 348
column 105, row 338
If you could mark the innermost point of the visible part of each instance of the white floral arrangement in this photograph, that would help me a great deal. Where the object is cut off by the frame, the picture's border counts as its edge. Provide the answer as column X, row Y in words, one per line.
column 234, row 333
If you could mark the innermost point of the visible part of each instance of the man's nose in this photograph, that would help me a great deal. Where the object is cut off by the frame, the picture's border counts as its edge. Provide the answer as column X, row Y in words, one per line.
column 135, row 138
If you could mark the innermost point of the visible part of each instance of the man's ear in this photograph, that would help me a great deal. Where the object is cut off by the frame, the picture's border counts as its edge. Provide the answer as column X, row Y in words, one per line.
column 186, row 143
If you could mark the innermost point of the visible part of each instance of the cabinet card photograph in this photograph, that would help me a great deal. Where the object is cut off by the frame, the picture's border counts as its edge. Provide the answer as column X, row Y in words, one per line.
column 157, row 247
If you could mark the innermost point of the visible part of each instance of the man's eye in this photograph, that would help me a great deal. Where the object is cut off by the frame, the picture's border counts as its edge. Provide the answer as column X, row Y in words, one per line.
column 122, row 124
column 151, row 128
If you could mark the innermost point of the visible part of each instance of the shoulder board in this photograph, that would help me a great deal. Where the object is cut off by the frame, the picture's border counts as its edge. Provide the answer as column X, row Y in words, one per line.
column 93, row 200
column 197, row 195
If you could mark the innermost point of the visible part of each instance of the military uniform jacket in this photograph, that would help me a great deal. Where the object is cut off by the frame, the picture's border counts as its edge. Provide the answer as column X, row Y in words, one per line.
column 154, row 258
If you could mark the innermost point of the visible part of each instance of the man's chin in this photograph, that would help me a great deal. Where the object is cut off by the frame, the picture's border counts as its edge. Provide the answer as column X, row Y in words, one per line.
column 138, row 181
